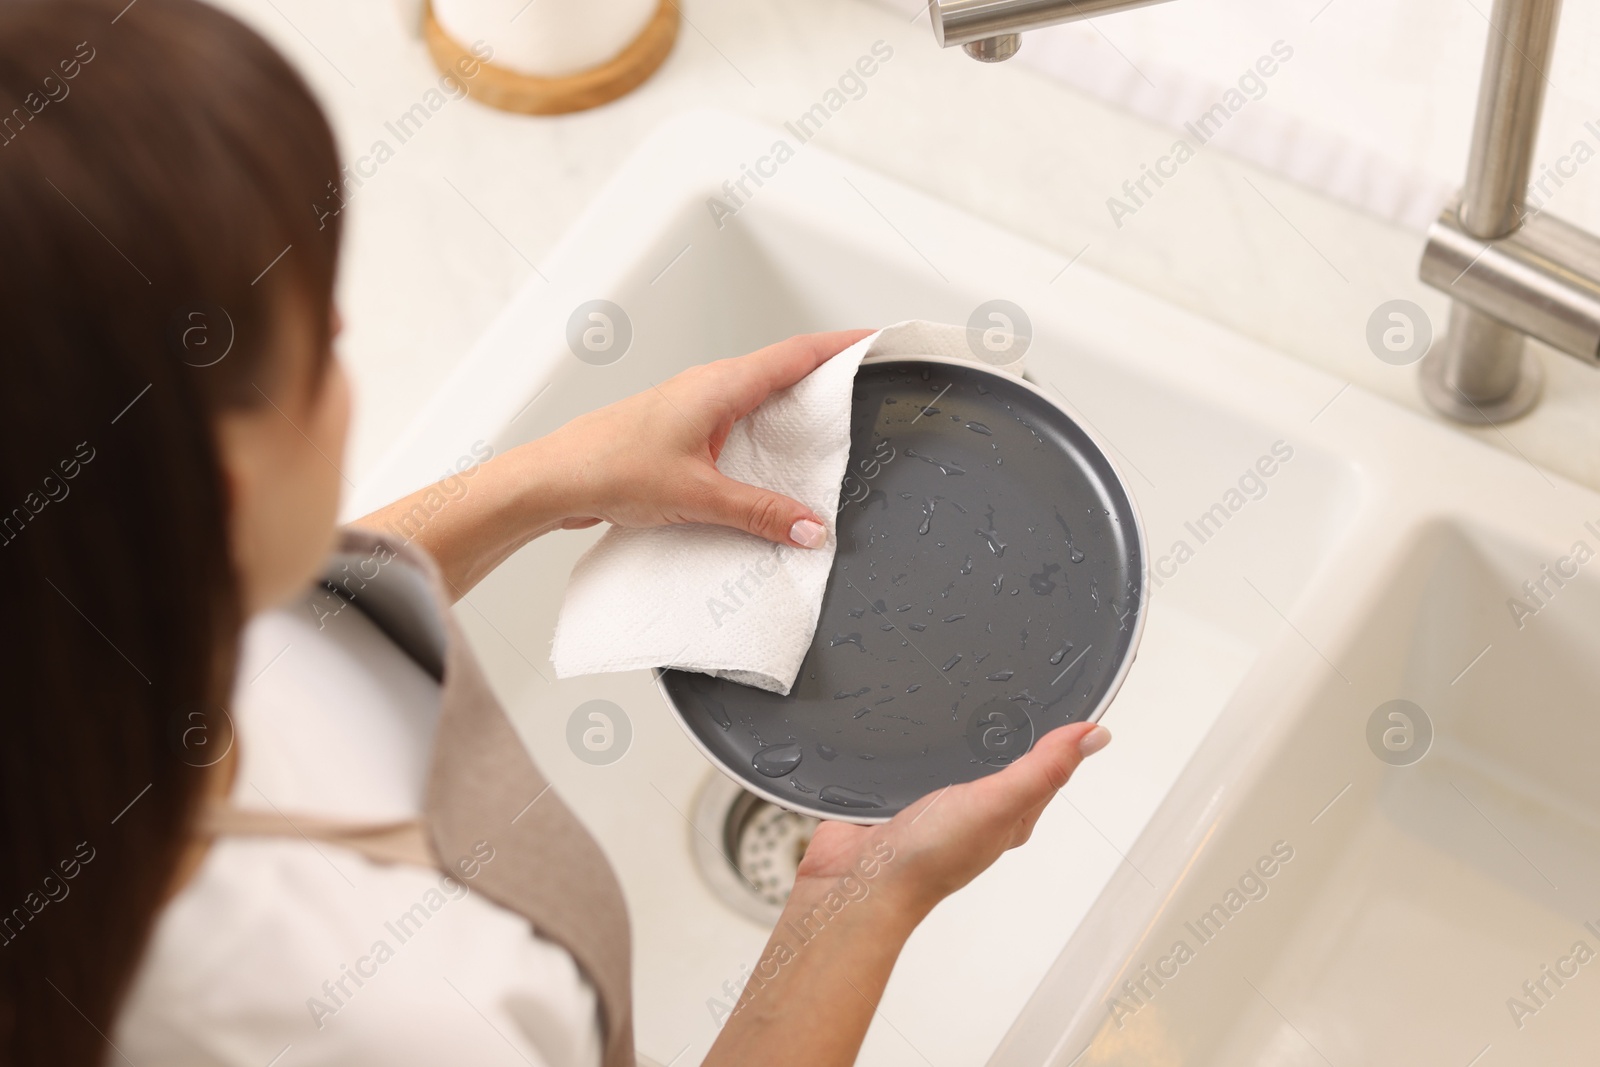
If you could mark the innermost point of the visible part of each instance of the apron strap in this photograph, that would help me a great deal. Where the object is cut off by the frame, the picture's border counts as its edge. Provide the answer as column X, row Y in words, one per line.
column 402, row 841
column 480, row 779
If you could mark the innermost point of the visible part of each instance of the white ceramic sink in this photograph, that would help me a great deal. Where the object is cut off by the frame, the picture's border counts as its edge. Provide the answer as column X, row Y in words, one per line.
column 1372, row 564
column 1420, row 897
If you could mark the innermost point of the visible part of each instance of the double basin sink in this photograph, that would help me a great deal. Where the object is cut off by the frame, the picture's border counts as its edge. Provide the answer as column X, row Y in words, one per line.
column 1352, row 813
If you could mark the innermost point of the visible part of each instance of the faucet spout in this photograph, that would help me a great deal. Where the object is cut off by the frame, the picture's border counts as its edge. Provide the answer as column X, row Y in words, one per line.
column 994, row 49
column 989, row 30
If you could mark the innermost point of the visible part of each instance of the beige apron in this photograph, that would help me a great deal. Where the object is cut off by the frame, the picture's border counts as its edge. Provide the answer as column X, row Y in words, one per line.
column 482, row 786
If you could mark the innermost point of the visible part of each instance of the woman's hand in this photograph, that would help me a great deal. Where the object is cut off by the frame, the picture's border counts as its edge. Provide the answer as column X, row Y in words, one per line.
column 651, row 459
column 860, row 892
column 648, row 460
column 948, row 838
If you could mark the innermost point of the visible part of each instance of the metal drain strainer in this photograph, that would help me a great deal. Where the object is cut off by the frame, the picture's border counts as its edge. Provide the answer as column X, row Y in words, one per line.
column 748, row 848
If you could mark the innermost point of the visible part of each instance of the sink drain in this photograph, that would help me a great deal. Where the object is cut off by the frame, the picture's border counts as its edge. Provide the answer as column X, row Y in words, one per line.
column 748, row 848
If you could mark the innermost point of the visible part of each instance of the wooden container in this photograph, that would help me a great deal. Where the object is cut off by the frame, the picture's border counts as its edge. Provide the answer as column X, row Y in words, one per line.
column 511, row 90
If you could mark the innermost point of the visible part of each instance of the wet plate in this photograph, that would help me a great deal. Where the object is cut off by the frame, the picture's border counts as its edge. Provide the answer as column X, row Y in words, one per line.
column 988, row 587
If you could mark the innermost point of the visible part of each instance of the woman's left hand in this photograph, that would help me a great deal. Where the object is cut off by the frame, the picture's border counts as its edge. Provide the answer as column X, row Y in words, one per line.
column 859, row 893
column 651, row 459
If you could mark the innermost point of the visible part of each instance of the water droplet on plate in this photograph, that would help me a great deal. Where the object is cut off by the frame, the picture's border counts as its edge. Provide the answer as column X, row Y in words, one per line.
column 718, row 712
column 839, row 796
column 1040, row 583
column 775, row 761
column 997, row 546
column 945, row 467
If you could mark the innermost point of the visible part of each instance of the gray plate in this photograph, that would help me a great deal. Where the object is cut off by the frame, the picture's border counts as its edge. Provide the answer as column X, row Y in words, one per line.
column 988, row 587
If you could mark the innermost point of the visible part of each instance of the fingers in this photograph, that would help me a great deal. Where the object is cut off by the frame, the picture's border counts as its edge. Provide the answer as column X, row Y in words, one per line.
column 1035, row 778
column 779, row 366
column 760, row 511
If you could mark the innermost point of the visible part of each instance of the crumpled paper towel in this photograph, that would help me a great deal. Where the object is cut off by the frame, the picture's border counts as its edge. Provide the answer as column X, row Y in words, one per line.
column 721, row 601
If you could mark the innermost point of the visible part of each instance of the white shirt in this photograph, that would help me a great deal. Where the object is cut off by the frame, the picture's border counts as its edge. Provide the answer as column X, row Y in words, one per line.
column 287, row 952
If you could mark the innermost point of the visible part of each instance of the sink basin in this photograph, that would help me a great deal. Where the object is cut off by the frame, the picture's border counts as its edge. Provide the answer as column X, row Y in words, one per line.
column 1422, row 890
column 1317, row 553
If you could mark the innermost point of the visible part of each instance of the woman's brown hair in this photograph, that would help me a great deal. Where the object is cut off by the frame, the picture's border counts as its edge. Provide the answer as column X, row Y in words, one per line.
column 164, row 177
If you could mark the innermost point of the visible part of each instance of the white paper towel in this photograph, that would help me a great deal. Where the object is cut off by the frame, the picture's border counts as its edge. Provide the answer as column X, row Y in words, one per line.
column 722, row 601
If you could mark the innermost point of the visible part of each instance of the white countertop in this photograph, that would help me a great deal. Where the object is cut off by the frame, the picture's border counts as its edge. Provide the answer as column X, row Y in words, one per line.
column 425, row 272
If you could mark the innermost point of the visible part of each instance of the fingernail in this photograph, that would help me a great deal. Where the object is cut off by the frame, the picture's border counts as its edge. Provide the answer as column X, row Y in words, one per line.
column 1094, row 741
column 807, row 533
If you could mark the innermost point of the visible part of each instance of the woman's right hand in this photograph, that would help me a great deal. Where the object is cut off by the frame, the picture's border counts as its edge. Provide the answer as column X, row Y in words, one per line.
column 948, row 838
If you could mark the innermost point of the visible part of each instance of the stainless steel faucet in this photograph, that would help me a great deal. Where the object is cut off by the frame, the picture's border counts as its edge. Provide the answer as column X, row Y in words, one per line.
column 1511, row 274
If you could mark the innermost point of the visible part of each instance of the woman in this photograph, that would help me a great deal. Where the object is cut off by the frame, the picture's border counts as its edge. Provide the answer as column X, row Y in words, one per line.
column 173, row 421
